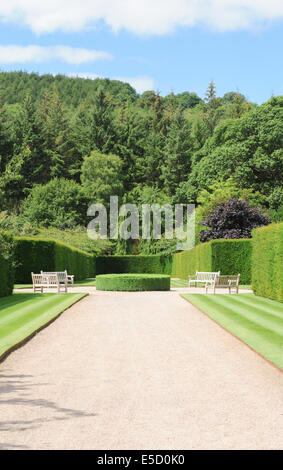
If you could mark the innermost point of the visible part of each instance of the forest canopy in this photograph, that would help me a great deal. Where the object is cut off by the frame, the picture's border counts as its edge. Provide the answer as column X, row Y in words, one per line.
column 65, row 142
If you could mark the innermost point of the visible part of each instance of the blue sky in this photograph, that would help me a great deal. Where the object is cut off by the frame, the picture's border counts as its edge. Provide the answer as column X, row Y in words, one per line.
column 158, row 44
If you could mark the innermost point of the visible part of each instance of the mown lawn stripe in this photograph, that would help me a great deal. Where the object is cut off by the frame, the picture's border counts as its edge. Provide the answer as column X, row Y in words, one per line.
column 43, row 309
column 263, row 340
column 262, row 318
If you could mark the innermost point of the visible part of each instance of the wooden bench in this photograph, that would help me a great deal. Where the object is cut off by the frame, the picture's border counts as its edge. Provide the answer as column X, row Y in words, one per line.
column 206, row 278
column 63, row 276
column 41, row 281
column 227, row 282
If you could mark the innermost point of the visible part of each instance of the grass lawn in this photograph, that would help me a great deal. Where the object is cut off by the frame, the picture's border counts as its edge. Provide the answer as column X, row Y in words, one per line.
column 23, row 314
column 255, row 320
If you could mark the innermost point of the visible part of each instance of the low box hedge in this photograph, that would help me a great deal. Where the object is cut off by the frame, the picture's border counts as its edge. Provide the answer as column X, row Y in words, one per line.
column 34, row 255
column 227, row 256
column 133, row 282
column 7, row 267
column 267, row 261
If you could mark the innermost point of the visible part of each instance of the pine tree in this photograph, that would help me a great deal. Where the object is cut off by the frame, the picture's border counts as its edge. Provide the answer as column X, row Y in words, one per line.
column 210, row 94
column 6, row 141
column 56, row 134
column 177, row 154
column 29, row 136
column 102, row 123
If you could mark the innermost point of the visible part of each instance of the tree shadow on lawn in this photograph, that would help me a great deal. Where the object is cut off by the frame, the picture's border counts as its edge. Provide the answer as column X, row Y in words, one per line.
column 21, row 388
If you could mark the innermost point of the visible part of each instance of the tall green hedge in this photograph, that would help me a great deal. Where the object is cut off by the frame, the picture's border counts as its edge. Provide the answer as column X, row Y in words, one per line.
column 267, row 261
column 34, row 255
column 151, row 264
column 227, row 256
column 7, row 270
column 189, row 261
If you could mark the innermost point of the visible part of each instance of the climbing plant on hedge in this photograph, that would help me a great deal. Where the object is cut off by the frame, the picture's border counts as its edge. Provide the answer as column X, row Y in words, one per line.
column 267, row 261
column 7, row 267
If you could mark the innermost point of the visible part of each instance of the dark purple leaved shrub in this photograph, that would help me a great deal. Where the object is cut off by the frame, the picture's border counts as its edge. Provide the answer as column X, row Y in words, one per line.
column 233, row 219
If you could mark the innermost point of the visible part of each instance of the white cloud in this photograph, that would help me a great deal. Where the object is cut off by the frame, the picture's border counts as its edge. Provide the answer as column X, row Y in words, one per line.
column 140, row 16
column 22, row 54
column 140, row 84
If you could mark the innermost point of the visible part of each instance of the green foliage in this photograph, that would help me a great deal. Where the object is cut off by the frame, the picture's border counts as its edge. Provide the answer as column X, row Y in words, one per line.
column 188, row 262
column 78, row 238
column 154, row 264
column 177, row 150
column 227, row 256
column 102, row 177
column 7, row 267
column 178, row 146
column 57, row 149
column 267, row 261
column 133, row 282
column 187, row 100
column 60, row 203
column 34, row 255
column 73, row 91
column 16, row 224
column 232, row 257
column 249, row 149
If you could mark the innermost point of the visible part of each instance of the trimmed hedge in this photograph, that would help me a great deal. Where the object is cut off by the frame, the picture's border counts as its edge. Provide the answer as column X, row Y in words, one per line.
column 133, row 282
column 189, row 261
column 151, row 264
column 227, row 256
column 267, row 261
column 34, row 255
column 7, row 270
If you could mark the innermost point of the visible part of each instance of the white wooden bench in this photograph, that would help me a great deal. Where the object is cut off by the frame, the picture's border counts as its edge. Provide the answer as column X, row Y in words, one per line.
column 42, row 281
column 227, row 282
column 206, row 278
column 63, row 276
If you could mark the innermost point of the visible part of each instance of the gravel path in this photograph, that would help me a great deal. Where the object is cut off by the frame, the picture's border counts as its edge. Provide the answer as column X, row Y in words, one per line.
column 138, row 371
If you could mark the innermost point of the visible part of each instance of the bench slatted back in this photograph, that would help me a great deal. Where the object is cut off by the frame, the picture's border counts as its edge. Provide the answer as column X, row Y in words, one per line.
column 206, row 276
column 53, row 279
column 229, row 280
column 37, row 279
column 62, row 275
